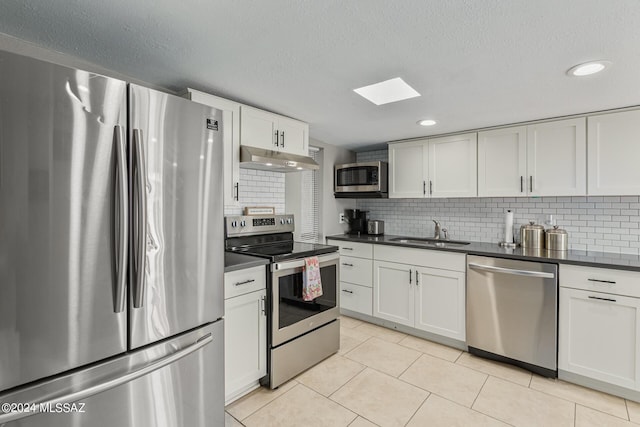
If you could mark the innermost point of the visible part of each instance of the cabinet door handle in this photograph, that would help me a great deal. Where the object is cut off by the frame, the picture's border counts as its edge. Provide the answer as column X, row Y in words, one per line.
column 347, row 291
column 430, row 187
column 417, row 279
column 602, row 281
column 603, row 299
column 263, row 303
column 282, row 141
column 521, row 184
column 424, row 187
column 277, row 135
column 347, row 264
column 348, row 249
column 410, row 276
column 237, row 186
column 530, row 183
column 245, row 282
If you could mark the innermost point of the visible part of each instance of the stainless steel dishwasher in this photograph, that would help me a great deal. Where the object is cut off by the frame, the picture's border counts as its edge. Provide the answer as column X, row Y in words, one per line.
column 512, row 312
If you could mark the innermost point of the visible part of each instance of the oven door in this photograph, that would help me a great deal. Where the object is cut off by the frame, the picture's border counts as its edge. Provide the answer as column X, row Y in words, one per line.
column 291, row 315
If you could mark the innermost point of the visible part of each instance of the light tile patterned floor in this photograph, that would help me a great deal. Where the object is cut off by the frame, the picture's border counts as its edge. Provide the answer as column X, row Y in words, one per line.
column 383, row 378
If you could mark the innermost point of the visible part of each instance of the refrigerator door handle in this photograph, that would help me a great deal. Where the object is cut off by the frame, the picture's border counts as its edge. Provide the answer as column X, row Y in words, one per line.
column 122, row 228
column 140, row 224
column 108, row 384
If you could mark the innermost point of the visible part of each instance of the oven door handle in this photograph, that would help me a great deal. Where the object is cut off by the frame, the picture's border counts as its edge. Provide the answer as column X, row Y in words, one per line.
column 288, row 265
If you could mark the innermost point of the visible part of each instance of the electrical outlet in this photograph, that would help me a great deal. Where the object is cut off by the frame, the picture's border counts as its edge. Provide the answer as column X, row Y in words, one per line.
column 341, row 218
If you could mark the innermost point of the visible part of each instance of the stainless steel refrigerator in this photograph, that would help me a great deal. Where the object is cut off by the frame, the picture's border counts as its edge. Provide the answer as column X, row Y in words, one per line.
column 111, row 252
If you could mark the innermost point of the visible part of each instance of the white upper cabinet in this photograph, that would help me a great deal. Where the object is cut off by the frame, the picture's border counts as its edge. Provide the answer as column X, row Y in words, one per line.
column 557, row 158
column 408, row 164
column 270, row 131
column 436, row 167
column 452, row 166
column 502, row 162
column 614, row 153
column 231, row 141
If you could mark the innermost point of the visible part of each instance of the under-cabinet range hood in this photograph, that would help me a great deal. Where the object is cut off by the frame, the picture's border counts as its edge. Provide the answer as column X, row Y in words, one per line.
column 270, row 160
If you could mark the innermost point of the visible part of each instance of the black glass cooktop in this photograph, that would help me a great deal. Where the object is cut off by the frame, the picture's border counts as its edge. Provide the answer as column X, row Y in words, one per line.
column 286, row 250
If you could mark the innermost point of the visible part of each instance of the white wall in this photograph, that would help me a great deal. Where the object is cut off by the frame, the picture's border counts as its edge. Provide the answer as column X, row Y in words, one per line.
column 330, row 207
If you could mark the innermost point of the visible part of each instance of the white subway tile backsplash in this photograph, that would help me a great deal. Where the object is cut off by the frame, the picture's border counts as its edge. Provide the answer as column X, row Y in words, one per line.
column 259, row 188
column 594, row 223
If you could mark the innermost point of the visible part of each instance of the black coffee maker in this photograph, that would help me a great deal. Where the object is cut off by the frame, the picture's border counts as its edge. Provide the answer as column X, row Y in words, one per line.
column 357, row 221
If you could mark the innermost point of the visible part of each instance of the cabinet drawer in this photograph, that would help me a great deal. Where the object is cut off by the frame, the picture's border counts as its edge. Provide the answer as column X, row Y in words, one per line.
column 360, row 250
column 619, row 282
column 356, row 298
column 421, row 257
column 241, row 282
column 356, row 270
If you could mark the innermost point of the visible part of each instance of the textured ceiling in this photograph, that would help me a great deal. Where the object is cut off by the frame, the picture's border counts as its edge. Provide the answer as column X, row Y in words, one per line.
column 476, row 63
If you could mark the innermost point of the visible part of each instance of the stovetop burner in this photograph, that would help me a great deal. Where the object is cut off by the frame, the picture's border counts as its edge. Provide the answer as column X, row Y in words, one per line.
column 269, row 237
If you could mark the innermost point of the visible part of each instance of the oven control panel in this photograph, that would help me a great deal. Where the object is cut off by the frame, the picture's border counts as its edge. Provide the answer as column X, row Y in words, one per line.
column 249, row 225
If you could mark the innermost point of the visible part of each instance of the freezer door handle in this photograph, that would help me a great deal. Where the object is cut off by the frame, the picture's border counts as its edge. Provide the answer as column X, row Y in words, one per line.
column 503, row 270
column 122, row 223
column 140, row 221
column 109, row 383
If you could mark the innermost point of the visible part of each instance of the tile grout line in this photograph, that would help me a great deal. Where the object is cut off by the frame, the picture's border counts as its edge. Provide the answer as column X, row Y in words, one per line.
column 474, row 410
column 575, row 414
column 479, row 391
column 269, row 402
column 418, row 408
column 337, row 403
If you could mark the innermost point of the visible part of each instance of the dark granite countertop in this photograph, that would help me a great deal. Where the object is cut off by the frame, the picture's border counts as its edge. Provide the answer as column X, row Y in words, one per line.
column 586, row 258
column 233, row 262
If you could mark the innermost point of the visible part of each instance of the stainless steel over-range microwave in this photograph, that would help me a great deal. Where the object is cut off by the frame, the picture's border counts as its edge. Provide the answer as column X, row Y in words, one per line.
column 361, row 180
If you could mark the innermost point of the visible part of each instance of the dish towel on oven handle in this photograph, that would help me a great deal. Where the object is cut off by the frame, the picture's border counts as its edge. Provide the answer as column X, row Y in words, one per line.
column 311, row 283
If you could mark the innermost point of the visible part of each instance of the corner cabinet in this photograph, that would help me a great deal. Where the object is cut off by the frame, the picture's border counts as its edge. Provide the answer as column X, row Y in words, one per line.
column 599, row 325
column 434, row 167
column 614, row 153
column 245, row 331
column 420, row 288
column 231, row 142
column 270, row 131
column 544, row 159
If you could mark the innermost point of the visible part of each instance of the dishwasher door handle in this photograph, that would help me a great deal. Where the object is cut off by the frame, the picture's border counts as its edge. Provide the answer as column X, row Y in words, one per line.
column 492, row 269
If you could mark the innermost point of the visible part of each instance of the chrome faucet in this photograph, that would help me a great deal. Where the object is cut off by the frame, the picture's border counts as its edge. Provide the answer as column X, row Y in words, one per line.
column 436, row 233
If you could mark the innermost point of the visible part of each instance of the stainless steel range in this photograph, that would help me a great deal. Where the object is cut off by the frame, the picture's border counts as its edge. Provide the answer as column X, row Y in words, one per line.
column 301, row 333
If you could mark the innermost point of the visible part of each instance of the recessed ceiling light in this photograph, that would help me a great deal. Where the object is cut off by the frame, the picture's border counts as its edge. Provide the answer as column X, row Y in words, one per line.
column 299, row 168
column 387, row 91
column 269, row 164
column 588, row 68
column 427, row 122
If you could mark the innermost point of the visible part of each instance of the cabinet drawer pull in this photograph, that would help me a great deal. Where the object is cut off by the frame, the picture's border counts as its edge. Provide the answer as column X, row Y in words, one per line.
column 347, row 264
column 602, row 299
column 347, row 291
column 348, row 249
column 244, row 283
column 602, row 281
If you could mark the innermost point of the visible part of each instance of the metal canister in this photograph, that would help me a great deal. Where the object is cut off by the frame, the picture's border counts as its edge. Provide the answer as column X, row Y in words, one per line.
column 532, row 235
column 556, row 239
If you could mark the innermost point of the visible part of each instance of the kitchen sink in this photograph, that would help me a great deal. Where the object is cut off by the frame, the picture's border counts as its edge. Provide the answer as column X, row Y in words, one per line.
column 429, row 241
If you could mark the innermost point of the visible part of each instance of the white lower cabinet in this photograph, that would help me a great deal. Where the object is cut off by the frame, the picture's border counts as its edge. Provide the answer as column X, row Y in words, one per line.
column 356, row 298
column 420, row 296
column 356, row 269
column 598, row 336
column 599, row 325
column 393, row 297
column 245, row 330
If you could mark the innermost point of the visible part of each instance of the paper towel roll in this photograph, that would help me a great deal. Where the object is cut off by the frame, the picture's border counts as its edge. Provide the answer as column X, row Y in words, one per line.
column 508, row 226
